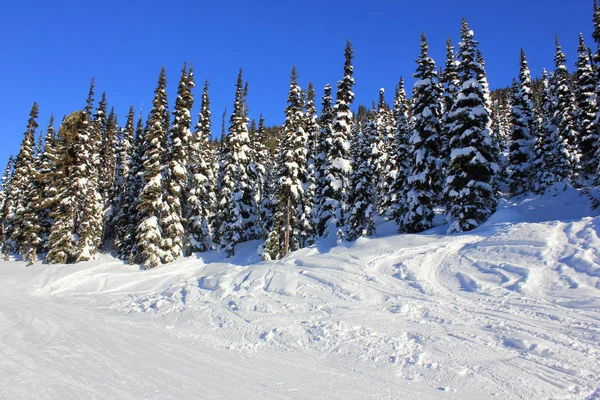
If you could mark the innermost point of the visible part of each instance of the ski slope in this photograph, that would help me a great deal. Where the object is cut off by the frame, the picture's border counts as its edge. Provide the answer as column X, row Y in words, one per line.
column 510, row 310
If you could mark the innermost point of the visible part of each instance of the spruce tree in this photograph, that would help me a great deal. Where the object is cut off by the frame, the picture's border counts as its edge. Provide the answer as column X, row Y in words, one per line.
column 18, row 207
column 522, row 134
column 551, row 158
column 290, row 217
column 178, row 170
column 337, row 164
column 47, row 176
column 383, row 149
column 424, row 183
column 107, row 155
column 587, row 108
column 148, row 233
column 451, row 84
column 564, row 116
column 74, row 235
column 123, row 155
column 4, row 192
column 312, row 130
column 321, row 211
column 470, row 177
column 236, row 208
column 126, row 219
column 267, row 204
column 361, row 197
column 202, row 190
column 86, row 193
column 400, row 152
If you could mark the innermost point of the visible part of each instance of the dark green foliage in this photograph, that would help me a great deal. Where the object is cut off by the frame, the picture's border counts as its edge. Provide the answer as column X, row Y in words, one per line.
column 471, row 170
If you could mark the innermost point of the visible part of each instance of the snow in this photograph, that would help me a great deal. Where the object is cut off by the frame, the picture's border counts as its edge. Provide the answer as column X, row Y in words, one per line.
column 509, row 310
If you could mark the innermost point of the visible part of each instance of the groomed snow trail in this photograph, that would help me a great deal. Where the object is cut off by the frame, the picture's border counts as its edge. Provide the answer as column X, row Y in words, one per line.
column 510, row 310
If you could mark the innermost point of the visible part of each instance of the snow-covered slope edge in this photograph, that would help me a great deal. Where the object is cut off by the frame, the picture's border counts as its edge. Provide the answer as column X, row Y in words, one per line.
column 511, row 309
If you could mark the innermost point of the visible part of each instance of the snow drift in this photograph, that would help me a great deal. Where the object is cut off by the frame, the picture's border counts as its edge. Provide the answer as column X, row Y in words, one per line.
column 511, row 309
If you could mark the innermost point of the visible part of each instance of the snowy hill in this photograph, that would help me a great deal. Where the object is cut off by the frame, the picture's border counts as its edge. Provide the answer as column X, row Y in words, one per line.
column 510, row 310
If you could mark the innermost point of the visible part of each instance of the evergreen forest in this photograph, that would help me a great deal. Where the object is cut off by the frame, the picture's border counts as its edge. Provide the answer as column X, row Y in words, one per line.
column 163, row 187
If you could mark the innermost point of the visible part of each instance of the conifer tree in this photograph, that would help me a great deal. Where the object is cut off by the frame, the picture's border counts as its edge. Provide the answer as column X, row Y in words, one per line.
column 47, row 176
column 290, row 217
column 123, row 155
column 401, row 152
column 4, row 193
column 551, row 162
column 312, row 130
column 451, row 84
column 361, row 197
column 522, row 134
column 236, row 209
column 337, row 165
column 564, row 117
column 87, row 197
column 126, row 220
column 587, row 108
column 62, row 233
column 383, row 158
column 75, row 235
column 149, row 206
column 178, row 170
column 321, row 213
column 268, row 184
column 18, row 208
column 202, row 191
column 424, row 183
column 470, row 178
column 107, row 155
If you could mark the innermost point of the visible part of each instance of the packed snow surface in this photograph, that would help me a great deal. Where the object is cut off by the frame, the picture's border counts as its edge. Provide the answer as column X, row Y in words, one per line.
column 510, row 310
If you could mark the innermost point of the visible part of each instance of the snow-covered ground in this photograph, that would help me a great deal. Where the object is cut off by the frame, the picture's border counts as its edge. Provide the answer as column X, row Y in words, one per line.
column 510, row 311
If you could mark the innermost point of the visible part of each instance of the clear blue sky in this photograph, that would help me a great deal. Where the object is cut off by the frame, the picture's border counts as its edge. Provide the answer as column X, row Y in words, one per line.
column 51, row 49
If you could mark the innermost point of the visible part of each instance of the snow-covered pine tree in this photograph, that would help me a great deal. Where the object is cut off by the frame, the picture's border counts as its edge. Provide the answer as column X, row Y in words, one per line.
column 74, row 235
column 424, row 182
column 470, row 176
column 123, row 155
column 266, row 207
column 587, row 108
column 321, row 209
column 4, row 192
column 177, row 172
column 551, row 162
column 24, row 173
column 85, row 189
column 148, row 233
column 361, row 196
column 291, row 220
column 401, row 151
column 107, row 156
column 312, row 130
column 450, row 83
column 564, row 117
column 126, row 219
column 97, row 129
column 236, row 208
column 522, row 134
column 202, row 187
column 47, row 176
column 383, row 149
column 338, row 165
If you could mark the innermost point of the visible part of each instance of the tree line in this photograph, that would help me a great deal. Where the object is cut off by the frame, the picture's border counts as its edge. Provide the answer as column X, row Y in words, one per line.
column 159, row 190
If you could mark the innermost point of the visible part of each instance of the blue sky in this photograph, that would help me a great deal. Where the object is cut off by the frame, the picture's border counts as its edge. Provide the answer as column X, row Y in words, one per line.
column 51, row 50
